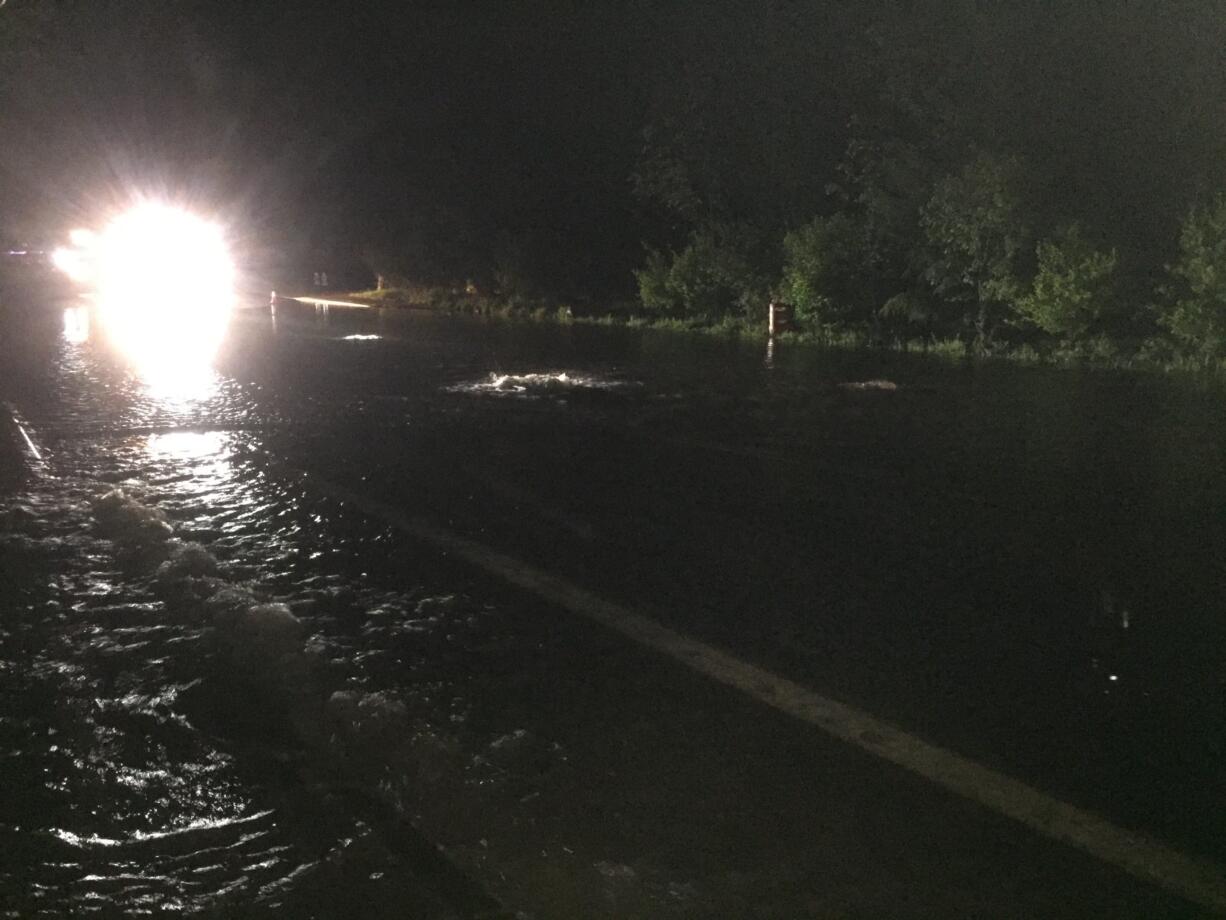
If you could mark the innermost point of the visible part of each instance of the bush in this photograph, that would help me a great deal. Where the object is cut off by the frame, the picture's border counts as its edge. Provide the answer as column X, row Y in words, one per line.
column 819, row 262
column 1074, row 289
column 707, row 277
column 712, row 276
column 1196, row 316
column 907, row 315
column 976, row 229
column 514, row 275
column 1159, row 351
column 1026, row 354
column 655, row 284
column 1101, row 349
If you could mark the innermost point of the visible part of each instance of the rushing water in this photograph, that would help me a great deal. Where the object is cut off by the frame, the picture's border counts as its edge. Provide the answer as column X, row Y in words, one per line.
column 1023, row 564
column 136, row 784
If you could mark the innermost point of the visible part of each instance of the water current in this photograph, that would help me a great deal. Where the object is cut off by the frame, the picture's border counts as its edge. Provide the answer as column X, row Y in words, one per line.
column 1023, row 564
column 144, row 775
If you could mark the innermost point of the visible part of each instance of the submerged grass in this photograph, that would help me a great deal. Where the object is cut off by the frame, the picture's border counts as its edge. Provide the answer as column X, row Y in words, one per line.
column 1147, row 356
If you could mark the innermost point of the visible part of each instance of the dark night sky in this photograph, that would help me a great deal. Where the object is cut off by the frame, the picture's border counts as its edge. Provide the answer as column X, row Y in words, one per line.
column 466, row 127
column 337, row 120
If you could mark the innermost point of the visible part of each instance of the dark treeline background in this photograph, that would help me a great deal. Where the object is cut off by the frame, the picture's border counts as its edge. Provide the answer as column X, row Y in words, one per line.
column 1036, row 172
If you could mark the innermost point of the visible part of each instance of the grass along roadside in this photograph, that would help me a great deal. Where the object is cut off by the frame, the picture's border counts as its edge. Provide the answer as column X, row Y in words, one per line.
column 1154, row 355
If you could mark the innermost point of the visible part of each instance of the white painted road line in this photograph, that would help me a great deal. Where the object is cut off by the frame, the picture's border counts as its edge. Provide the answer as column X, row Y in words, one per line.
column 30, row 446
column 29, row 443
column 1195, row 879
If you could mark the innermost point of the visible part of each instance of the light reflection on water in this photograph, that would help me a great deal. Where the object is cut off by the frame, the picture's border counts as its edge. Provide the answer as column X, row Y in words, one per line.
column 178, row 372
column 76, row 325
column 139, row 836
column 178, row 384
column 140, row 811
column 205, row 450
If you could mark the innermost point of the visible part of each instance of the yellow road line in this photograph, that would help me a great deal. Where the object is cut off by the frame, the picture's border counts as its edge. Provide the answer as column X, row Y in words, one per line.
column 1195, row 879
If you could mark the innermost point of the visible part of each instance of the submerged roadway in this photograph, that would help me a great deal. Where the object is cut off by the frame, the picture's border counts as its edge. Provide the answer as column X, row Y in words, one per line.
column 673, row 628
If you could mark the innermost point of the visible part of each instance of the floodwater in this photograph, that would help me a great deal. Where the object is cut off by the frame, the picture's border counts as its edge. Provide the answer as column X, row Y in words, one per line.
column 1024, row 565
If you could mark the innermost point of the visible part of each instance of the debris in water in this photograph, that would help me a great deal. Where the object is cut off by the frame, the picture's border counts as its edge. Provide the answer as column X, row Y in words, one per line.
column 187, row 560
column 369, row 718
column 122, row 518
column 268, row 631
column 227, row 604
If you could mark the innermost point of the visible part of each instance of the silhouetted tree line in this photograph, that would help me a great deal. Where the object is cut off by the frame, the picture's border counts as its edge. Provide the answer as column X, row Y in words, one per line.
column 1037, row 174
column 1040, row 173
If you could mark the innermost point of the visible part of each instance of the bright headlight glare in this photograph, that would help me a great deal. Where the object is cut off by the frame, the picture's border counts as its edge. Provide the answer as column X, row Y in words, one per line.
column 72, row 263
column 81, row 237
column 164, row 285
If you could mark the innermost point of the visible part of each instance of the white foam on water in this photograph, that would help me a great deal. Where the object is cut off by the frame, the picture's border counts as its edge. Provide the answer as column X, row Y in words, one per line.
column 538, row 384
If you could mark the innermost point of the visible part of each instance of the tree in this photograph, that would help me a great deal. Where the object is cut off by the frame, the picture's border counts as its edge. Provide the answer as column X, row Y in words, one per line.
column 821, row 264
column 1197, row 318
column 976, row 231
column 713, row 275
column 1074, row 288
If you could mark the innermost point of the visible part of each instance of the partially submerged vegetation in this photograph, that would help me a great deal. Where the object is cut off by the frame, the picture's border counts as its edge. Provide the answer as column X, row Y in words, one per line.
column 976, row 281
column 1033, row 183
column 1159, row 353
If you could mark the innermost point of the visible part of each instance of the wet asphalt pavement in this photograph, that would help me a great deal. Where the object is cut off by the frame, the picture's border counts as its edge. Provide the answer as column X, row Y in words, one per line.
column 1021, row 565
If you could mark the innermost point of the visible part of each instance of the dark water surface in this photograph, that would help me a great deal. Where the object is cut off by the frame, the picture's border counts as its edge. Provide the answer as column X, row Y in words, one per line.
column 1025, row 565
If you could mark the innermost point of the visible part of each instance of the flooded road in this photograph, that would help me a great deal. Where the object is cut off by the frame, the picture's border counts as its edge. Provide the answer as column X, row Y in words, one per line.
column 1022, row 565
